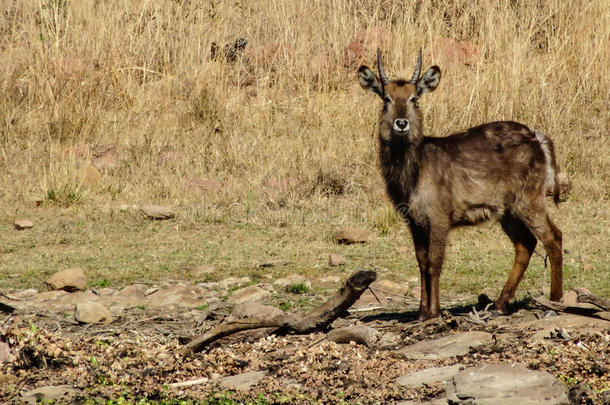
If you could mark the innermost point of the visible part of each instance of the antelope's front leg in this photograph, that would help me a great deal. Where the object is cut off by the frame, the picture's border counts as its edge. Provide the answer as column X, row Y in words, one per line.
column 436, row 255
column 421, row 240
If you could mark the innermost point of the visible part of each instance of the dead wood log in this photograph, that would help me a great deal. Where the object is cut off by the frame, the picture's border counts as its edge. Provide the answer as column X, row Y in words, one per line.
column 586, row 297
column 317, row 319
column 571, row 309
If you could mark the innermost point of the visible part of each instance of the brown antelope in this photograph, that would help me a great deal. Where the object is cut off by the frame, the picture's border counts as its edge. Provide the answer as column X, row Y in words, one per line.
column 500, row 170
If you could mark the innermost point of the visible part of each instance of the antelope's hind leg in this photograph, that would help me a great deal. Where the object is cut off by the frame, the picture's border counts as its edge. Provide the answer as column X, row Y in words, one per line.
column 525, row 243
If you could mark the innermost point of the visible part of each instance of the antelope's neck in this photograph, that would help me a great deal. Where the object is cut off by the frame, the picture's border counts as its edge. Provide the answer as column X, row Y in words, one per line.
column 400, row 168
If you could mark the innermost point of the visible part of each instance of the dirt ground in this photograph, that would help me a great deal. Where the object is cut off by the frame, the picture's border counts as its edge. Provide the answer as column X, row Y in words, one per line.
column 138, row 356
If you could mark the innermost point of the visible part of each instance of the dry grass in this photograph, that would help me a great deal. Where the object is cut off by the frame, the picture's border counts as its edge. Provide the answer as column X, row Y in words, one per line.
column 138, row 74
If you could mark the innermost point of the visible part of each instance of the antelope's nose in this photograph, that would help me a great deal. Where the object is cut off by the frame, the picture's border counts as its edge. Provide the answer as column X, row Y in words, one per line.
column 401, row 124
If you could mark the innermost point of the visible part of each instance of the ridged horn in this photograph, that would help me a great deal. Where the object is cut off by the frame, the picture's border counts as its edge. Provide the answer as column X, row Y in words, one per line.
column 382, row 74
column 417, row 71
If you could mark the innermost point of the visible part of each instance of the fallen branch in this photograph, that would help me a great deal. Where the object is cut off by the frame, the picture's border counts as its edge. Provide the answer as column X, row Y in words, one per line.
column 559, row 307
column 587, row 297
column 317, row 319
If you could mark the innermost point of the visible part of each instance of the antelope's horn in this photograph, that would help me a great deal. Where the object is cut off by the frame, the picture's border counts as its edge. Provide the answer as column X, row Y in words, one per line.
column 382, row 74
column 417, row 71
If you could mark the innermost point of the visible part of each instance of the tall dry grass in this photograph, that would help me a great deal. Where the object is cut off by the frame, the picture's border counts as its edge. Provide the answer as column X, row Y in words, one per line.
column 138, row 74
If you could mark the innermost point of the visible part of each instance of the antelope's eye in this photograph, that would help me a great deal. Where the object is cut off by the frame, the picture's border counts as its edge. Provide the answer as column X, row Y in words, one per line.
column 387, row 99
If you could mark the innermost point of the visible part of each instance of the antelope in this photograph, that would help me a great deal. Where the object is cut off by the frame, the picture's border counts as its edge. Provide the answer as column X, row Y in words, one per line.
column 499, row 170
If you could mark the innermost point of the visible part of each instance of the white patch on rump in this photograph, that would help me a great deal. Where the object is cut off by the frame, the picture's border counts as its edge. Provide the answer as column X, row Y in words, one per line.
column 550, row 172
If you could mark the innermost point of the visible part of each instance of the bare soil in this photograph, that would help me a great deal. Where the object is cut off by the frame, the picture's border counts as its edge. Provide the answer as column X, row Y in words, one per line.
column 139, row 355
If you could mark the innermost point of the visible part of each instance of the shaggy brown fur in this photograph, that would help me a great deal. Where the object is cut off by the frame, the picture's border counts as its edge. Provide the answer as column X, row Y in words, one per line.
column 499, row 170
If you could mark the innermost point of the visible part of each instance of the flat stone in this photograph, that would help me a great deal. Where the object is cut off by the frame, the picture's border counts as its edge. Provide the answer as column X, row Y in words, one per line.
column 447, row 347
column 251, row 293
column 350, row 235
column 359, row 334
column 21, row 224
column 428, row 376
column 255, row 310
column 68, row 280
column 133, row 290
column 157, row 212
column 91, row 312
column 178, row 295
column 505, row 384
column 335, row 259
column 242, row 382
column 25, row 294
column 541, row 329
column 51, row 393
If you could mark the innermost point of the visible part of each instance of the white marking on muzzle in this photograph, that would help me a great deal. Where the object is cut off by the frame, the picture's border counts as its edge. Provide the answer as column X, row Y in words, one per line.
column 399, row 130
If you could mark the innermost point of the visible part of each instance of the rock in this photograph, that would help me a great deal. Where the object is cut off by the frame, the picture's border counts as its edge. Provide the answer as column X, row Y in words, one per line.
column 105, row 158
column 335, row 259
column 157, row 212
column 251, row 293
column 134, row 290
column 21, row 224
column 415, row 293
column 390, row 287
column 89, row 176
column 447, row 347
column 586, row 266
column 49, row 394
column 292, row 279
column 25, row 294
column 6, row 355
column 178, row 295
column 68, row 280
column 350, row 235
column 570, row 298
column 360, row 334
column 541, row 329
column 255, row 310
column 428, row 376
column 370, row 300
column 505, row 384
column 91, row 312
column 242, row 382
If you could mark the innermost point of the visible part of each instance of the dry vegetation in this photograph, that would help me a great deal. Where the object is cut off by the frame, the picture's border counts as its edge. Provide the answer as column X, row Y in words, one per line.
column 287, row 134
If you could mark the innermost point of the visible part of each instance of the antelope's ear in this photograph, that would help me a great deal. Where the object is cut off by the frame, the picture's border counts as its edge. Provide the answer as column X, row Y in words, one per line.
column 369, row 81
column 429, row 81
